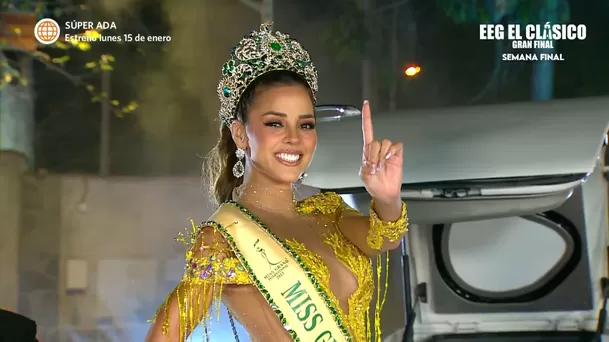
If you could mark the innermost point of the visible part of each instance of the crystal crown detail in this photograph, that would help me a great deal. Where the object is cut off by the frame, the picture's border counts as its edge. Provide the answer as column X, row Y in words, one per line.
column 256, row 54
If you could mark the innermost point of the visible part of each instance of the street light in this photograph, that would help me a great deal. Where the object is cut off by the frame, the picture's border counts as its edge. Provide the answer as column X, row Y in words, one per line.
column 412, row 70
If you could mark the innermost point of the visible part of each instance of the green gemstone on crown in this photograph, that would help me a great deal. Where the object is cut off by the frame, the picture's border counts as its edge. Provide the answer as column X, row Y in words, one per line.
column 228, row 68
column 275, row 46
column 260, row 52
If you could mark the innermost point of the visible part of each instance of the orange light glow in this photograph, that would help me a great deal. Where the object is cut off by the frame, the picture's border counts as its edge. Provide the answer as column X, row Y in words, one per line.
column 412, row 70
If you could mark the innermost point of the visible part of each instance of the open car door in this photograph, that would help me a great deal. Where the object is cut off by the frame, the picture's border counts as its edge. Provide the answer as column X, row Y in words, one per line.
column 507, row 205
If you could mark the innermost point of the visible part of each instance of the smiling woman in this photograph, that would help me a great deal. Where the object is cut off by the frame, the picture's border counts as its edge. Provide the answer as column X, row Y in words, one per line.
column 260, row 104
column 286, row 270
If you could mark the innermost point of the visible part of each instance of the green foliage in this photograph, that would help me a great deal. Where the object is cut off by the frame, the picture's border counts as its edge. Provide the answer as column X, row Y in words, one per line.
column 465, row 11
column 516, row 11
column 314, row 10
column 23, row 5
column 100, row 64
column 352, row 33
column 535, row 11
column 345, row 32
column 346, row 36
column 561, row 7
column 11, row 75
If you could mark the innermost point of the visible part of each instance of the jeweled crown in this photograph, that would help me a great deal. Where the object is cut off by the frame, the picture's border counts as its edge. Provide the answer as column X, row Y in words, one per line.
column 256, row 54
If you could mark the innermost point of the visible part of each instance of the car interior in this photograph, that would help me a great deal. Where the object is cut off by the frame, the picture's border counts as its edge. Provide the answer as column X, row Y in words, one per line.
column 515, row 258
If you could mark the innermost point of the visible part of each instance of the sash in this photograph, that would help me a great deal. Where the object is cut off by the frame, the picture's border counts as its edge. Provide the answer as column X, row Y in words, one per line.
column 288, row 286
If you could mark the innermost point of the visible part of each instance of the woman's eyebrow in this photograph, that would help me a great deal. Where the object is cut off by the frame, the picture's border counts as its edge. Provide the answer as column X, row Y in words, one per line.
column 284, row 115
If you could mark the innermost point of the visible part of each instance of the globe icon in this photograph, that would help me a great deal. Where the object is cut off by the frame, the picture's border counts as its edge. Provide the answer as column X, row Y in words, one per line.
column 46, row 31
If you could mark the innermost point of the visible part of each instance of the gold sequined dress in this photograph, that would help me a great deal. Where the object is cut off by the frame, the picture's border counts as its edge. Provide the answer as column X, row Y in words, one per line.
column 208, row 271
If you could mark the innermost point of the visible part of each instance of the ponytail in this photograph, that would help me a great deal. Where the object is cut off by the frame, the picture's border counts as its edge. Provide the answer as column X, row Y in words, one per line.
column 218, row 168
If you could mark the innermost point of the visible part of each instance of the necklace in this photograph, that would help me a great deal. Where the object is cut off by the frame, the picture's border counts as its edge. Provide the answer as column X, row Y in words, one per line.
column 270, row 200
column 265, row 200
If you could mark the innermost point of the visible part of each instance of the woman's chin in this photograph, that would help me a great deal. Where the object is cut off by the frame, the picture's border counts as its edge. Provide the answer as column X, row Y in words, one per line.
column 287, row 179
column 293, row 180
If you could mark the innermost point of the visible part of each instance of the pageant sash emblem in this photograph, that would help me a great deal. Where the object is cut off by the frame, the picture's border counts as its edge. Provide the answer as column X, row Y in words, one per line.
column 291, row 292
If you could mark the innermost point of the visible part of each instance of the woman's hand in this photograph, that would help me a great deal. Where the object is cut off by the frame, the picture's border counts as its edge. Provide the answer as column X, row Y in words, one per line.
column 382, row 163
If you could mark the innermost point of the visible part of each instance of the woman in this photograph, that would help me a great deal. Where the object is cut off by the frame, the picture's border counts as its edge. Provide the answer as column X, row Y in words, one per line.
column 286, row 270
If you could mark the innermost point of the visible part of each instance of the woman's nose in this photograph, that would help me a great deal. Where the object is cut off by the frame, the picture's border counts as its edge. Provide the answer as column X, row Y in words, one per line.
column 292, row 136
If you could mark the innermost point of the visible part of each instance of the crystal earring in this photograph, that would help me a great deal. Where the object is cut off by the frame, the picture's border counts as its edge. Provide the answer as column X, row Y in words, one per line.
column 239, row 168
column 302, row 176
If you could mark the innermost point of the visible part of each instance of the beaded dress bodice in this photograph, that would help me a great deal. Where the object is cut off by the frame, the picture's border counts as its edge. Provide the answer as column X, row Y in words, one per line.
column 222, row 267
column 357, row 317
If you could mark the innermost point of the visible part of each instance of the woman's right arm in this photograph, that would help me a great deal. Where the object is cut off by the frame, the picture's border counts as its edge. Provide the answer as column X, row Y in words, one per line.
column 210, row 264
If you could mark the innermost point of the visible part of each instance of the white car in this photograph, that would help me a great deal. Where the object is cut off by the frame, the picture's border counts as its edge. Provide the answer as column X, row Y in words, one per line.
column 508, row 212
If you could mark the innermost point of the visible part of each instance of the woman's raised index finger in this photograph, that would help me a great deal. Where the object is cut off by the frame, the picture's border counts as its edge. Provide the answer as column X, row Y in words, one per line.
column 367, row 124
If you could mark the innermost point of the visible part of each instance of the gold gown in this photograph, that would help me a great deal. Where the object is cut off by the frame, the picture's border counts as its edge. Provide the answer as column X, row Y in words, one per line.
column 208, row 270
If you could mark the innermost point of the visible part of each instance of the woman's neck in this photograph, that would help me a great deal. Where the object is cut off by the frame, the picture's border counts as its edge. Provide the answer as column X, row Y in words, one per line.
column 271, row 198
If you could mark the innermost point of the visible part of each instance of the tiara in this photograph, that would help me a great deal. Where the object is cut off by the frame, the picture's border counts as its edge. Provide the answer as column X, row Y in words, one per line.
column 256, row 54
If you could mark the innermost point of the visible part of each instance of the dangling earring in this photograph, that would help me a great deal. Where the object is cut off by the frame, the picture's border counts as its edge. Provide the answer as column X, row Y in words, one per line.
column 302, row 176
column 239, row 168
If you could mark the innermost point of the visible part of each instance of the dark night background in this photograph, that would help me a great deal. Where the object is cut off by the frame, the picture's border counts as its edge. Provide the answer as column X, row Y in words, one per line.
column 175, row 83
column 62, row 215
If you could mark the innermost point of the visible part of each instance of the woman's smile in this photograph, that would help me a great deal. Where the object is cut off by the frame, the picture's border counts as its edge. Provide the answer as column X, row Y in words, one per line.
column 289, row 158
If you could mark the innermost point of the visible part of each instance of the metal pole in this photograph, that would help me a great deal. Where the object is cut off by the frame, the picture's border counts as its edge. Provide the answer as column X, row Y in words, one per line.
column 366, row 62
column 393, row 90
column 104, row 143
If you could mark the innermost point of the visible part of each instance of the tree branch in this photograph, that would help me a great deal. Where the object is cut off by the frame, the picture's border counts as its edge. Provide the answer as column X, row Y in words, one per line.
column 77, row 81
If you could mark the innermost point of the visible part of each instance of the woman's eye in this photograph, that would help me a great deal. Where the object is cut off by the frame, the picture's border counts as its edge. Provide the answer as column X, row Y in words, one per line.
column 308, row 126
column 273, row 124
